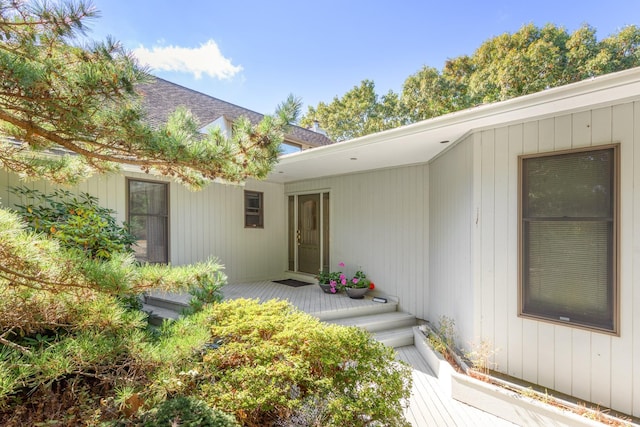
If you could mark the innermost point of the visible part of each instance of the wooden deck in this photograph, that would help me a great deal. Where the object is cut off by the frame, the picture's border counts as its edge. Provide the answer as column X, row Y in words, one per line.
column 428, row 406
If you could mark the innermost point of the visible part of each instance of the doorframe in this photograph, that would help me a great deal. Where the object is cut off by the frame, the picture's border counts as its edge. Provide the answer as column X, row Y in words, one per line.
column 295, row 195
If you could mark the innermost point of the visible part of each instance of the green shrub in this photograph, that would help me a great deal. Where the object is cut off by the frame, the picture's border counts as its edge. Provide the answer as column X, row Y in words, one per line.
column 271, row 360
column 186, row 411
column 75, row 221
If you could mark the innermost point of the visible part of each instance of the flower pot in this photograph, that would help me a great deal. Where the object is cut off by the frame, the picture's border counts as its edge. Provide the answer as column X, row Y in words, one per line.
column 356, row 293
column 326, row 288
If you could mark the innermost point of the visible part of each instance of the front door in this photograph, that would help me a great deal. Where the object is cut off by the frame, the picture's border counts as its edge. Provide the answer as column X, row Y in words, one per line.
column 308, row 232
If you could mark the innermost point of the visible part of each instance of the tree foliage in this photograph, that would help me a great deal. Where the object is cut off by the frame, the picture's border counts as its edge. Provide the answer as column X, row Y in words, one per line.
column 530, row 60
column 81, row 100
column 75, row 221
column 359, row 112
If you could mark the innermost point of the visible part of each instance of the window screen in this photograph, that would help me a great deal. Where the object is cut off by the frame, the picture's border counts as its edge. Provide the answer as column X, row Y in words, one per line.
column 568, row 233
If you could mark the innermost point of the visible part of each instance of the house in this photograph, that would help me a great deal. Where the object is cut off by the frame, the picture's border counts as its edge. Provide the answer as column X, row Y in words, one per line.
column 518, row 220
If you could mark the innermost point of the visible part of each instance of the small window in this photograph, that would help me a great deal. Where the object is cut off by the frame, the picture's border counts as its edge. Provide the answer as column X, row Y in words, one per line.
column 148, row 218
column 253, row 210
column 289, row 148
column 568, row 238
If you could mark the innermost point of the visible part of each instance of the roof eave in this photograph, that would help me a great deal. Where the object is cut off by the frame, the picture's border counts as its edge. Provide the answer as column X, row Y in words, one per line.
column 591, row 93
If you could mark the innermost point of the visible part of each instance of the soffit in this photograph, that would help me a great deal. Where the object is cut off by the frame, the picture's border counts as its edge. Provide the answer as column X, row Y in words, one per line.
column 421, row 142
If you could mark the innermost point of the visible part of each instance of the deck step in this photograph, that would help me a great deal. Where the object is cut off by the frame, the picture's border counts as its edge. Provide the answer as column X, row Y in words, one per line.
column 379, row 322
column 157, row 314
column 398, row 337
column 173, row 302
column 350, row 312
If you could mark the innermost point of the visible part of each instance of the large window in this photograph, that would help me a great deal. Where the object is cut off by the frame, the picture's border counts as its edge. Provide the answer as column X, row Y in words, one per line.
column 148, row 214
column 568, row 237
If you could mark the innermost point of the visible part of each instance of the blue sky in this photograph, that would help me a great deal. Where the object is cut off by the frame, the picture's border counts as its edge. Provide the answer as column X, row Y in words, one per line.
column 255, row 53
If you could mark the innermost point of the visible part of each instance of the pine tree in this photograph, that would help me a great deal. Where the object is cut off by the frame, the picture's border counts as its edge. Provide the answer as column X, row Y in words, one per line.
column 58, row 95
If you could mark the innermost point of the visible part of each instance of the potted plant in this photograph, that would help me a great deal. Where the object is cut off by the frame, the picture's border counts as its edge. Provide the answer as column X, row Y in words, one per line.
column 335, row 281
column 329, row 281
column 357, row 286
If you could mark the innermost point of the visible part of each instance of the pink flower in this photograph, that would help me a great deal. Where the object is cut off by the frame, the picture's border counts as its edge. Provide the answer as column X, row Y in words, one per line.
column 355, row 280
column 341, row 264
column 333, row 282
column 343, row 281
column 342, row 277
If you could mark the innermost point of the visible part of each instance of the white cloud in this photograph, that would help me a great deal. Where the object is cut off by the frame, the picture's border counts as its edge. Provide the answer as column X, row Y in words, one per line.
column 205, row 59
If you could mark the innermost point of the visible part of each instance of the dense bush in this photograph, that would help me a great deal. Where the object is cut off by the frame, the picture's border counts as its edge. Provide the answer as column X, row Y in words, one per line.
column 272, row 363
column 77, row 221
column 186, row 412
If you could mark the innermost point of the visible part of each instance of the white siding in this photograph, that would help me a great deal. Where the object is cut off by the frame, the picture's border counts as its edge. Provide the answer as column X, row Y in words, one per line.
column 202, row 224
column 451, row 223
column 379, row 222
column 592, row 366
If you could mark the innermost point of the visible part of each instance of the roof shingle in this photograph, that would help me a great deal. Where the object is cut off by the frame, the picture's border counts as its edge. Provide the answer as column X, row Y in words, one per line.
column 162, row 97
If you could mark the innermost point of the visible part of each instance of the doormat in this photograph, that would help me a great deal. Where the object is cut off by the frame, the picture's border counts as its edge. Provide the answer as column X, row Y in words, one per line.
column 292, row 282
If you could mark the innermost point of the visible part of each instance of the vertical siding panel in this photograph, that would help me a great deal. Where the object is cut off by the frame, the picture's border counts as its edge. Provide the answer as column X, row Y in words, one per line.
column 622, row 347
column 546, row 354
column 563, row 129
column 529, row 328
column 120, row 196
column 487, row 237
column 4, row 188
column 547, row 135
column 475, row 252
column 601, row 370
column 634, row 276
column 174, row 242
column 601, row 344
column 601, row 126
column 500, row 236
column 563, row 359
column 515, row 331
column 547, row 339
column 581, row 129
column 581, row 364
column 423, row 294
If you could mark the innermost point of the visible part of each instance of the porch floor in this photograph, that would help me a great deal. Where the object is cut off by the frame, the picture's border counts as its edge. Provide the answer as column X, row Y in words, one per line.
column 429, row 406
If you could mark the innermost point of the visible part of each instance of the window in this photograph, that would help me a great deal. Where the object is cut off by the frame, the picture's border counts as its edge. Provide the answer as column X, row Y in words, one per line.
column 289, row 147
column 568, row 237
column 148, row 219
column 253, row 210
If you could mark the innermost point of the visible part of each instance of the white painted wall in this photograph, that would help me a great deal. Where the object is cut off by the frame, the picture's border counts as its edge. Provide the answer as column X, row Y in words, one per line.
column 208, row 223
column 379, row 221
column 592, row 366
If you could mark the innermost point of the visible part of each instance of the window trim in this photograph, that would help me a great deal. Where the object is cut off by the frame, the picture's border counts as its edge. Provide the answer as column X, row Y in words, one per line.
column 128, row 179
column 615, row 274
column 260, row 210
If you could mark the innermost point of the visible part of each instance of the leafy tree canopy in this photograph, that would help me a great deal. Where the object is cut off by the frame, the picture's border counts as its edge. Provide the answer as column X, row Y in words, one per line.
column 509, row 65
column 57, row 94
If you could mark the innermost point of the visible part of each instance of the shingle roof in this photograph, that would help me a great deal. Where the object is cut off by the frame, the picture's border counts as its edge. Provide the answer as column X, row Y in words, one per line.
column 162, row 97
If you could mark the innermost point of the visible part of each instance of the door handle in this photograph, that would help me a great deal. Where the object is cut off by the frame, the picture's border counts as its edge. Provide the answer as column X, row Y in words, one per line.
column 298, row 237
